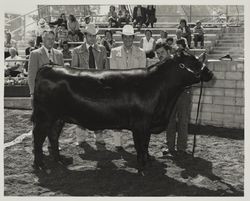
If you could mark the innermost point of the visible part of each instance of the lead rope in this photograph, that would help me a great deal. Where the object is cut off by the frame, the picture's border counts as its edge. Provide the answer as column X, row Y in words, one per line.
column 196, row 120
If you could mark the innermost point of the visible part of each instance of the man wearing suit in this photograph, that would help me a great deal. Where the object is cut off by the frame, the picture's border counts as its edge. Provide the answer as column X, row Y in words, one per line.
column 124, row 57
column 44, row 55
column 90, row 55
column 139, row 15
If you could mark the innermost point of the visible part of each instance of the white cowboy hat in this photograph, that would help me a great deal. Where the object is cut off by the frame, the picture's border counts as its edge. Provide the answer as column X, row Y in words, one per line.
column 128, row 30
column 91, row 29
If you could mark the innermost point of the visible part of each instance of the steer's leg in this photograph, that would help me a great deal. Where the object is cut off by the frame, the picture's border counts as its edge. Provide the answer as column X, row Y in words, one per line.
column 40, row 132
column 54, row 143
column 54, row 138
column 147, row 135
column 140, row 146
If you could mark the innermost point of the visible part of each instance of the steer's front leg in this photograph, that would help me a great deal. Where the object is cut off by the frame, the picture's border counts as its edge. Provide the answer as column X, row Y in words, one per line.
column 139, row 141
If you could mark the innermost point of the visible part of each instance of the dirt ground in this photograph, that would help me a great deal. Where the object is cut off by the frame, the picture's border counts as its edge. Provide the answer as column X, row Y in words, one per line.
column 216, row 170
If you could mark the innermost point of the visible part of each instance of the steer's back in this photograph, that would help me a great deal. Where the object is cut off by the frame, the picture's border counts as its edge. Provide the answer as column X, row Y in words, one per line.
column 94, row 99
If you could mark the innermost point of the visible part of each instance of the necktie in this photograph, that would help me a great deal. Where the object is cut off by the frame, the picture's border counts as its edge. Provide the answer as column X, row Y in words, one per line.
column 50, row 56
column 91, row 58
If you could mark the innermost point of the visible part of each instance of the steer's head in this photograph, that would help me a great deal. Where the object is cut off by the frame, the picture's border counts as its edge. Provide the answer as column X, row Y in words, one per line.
column 193, row 69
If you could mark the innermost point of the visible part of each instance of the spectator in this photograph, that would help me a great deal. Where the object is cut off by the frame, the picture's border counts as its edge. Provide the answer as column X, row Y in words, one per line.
column 61, row 20
column 170, row 43
column 8, row 43
column 163, row 51
column 74, row 27
column 72, row 37
column 31, row 47
column 89, row 55
column 181, row 45
column 86, row 21
column 124, row 57
column 124, row 16
column 150, row 16
column 199, row 35
column 147, row 43
column 13, row 67
column 163, row 37
column 108, row 42
column 62, row 33
column 186, row 32
column 42, row 26
column 27, row 53
column 139, row 16
column 112, row 23
column 112, row 13
column 179, row 36
column 66, row 52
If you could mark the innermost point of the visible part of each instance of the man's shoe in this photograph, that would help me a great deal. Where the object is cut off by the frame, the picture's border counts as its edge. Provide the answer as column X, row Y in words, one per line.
column 171, row 152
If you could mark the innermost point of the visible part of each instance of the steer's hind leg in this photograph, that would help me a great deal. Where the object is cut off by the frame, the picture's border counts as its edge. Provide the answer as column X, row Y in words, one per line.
column 53, row 136
column 40, row 131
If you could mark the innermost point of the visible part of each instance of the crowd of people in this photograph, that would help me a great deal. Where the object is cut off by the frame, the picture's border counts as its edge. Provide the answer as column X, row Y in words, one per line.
column 71, row 30
column 141, row 16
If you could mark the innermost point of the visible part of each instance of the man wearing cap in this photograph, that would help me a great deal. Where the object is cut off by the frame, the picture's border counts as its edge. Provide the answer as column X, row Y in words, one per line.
column 86, row 21
column 124, row 57
column 90, row 55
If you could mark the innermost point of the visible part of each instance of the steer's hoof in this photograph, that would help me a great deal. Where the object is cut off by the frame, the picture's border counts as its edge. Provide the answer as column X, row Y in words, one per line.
column 41, row 167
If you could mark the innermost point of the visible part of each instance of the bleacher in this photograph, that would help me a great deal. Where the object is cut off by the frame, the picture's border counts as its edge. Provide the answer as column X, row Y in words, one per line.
column 214, row 32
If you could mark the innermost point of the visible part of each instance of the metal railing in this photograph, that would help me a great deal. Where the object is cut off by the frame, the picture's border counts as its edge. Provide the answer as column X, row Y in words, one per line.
column 23, row 24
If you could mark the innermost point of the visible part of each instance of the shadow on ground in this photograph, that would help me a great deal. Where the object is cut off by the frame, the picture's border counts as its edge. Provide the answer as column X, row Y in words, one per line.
column 231, row 133
column 107, row 179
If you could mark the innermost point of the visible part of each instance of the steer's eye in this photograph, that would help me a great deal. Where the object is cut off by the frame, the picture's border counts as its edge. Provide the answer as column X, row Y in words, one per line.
column 182, row 65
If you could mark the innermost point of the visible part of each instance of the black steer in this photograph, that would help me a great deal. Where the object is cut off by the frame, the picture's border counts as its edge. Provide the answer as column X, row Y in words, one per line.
column 140, row 100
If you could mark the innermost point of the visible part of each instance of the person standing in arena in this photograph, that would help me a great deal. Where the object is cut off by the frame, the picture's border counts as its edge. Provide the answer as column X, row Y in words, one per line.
column 124, row 57
column 179, row 118
column 41, row 56
column 92, row 56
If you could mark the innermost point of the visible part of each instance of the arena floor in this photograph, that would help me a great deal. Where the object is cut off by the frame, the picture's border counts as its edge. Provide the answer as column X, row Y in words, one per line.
column 216, row 170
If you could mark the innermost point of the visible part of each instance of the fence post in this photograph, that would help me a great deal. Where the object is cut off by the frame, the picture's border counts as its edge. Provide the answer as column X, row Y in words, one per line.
column 24, row 26
column 190, row 13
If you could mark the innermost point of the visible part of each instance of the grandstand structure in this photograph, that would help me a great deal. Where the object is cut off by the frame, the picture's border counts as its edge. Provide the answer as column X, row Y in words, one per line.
column 217, row 20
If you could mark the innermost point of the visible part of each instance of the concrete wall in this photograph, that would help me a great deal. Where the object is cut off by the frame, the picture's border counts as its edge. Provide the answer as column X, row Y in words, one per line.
column 222, row 103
